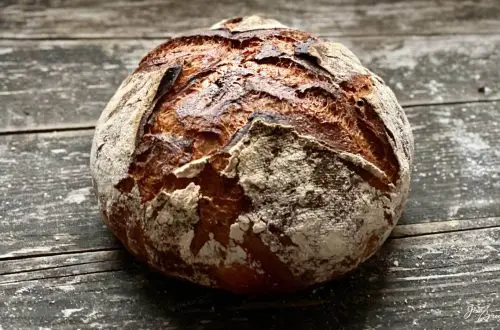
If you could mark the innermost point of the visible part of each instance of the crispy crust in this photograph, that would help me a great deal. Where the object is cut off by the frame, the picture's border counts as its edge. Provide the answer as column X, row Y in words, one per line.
column 252, row 157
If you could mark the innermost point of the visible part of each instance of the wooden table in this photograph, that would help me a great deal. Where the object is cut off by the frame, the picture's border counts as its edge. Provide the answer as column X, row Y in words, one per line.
column 60, row 62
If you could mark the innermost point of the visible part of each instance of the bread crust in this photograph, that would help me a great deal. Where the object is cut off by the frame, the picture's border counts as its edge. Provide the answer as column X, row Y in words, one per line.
column 252, row 157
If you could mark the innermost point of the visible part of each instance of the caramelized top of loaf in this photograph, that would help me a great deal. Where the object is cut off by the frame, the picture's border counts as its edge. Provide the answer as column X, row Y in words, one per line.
column 220, row 81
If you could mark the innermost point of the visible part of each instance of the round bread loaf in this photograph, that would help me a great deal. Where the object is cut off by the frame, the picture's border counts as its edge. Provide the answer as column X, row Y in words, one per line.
column 252, row 157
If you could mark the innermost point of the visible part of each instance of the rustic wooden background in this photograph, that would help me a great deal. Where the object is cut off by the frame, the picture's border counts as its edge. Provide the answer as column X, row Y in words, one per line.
column 60, row 61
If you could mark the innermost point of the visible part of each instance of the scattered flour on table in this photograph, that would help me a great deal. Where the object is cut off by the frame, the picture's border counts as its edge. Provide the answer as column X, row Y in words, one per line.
column 70, row 311
column 77, row 196
column 66, row 288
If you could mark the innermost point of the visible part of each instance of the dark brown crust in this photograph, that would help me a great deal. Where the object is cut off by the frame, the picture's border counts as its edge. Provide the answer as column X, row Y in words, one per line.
column 219, row 82
column 226, row 78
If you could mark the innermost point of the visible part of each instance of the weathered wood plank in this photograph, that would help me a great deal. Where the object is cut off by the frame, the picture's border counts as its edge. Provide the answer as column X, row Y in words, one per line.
column 46, row 200
column 93, row 18
column 457, row 165
column 47, row 203
column 418, row 282
column 61, row 84
column 61, row 265
column 67, row 83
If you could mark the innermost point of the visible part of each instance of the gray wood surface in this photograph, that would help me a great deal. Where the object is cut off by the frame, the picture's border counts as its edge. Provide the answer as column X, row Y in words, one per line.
column 153, row 18
column 46, row 200
column 456, row 177
column 414, row 282
column 64, row 84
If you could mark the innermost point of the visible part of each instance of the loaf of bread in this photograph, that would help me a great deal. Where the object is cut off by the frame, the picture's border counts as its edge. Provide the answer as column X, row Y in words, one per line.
column 252, row 157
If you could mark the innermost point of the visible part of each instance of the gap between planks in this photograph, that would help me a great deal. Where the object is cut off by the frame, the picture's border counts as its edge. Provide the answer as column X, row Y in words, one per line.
column 166, row 37
column 49, row 129
column 440, row 227
column 91, row 125
column 59, row 253
column 399, row 232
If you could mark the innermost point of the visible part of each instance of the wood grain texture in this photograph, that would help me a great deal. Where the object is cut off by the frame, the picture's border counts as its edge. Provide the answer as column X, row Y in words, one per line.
column 418, row 282
column 457, row 166
column 153, row 18
column 67, row 83
column 46, row 200
column 61, row 84
column 47, row 203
